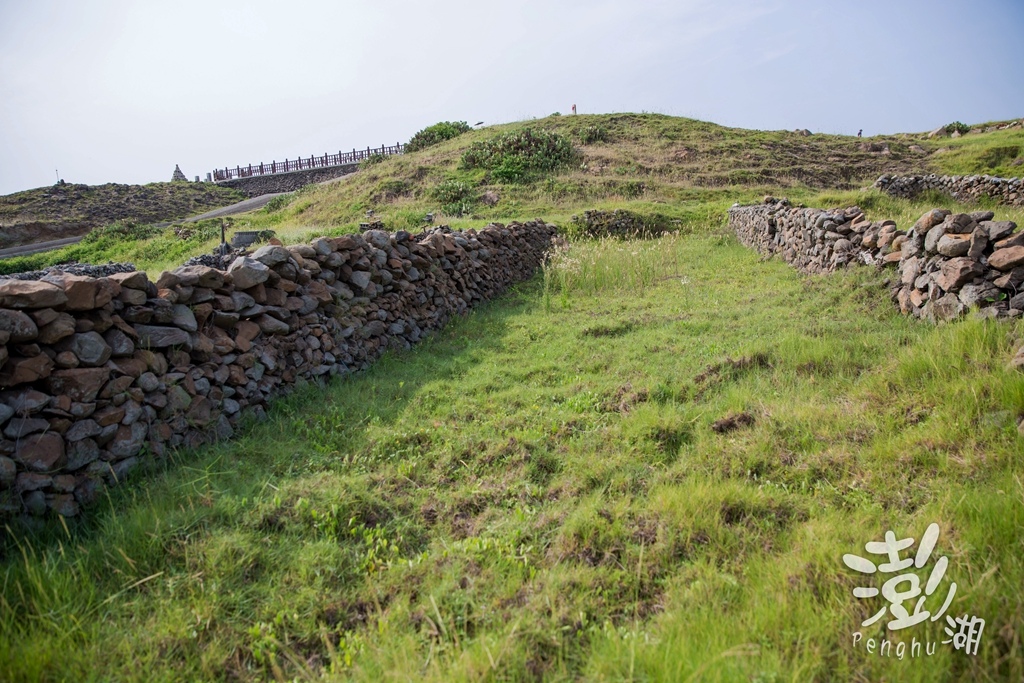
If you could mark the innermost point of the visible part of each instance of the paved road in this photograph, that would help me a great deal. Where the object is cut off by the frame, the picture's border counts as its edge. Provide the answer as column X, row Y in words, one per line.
column 26, row 249
column 241, row 207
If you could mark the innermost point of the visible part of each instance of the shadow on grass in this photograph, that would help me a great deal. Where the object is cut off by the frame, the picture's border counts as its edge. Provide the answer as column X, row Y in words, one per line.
column 292, row 441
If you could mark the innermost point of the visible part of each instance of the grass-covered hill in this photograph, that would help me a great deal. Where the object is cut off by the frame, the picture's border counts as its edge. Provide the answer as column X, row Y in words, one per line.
column 644, row 160
column 69, row 210
column 644, row 464
column 678, row 168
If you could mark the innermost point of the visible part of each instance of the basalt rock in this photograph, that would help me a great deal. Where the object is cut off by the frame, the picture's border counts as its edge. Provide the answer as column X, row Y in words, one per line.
column 946, row 264
column 101, row 375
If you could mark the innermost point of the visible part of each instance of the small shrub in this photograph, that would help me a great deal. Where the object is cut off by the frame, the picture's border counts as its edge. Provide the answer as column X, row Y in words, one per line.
column 278, row 202
column 522, row 155
column 435, row 134
column 620, row 223
column 121, row 231
column 456, row 197
column 372, row 160
column 510, row 170
column 633, row 189
column 198, row 232
column 592, row 134
column 388, row 190
column 958, row 127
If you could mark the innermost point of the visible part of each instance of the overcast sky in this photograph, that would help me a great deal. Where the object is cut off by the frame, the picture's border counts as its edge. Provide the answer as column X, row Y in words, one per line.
column 122, row 90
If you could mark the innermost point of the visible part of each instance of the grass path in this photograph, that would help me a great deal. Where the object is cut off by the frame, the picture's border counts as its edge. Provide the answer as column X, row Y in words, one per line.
column 537, row 492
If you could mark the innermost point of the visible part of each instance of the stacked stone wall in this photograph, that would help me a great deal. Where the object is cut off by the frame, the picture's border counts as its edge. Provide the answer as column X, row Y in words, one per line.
column 964, row 189
column 100, row 374
column 945, row 264
column 254, row 186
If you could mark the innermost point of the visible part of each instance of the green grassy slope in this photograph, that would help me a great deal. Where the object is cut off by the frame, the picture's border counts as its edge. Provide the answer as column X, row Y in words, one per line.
column 537, row 493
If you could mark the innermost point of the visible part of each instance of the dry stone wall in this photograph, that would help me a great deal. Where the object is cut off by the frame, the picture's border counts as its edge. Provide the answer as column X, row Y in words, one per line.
column 254, row 186
column 946, row 263
column 99, row 374
column 964, row 189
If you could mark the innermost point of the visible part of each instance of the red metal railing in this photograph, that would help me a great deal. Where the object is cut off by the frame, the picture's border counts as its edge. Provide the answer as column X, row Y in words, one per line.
column 304, row 163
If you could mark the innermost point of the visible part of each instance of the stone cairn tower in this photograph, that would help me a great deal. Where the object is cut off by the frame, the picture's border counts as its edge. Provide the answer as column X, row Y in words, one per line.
column 178, row 175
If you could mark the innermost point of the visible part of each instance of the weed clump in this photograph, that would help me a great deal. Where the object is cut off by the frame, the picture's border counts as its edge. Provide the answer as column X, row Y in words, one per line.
column 591, row 134
column 198, row 232
column 279, row 202
column 521, row 156
column 388, row 190
column 958, row 127
column 620, row 223
column 457, row 198
column 372, row 160
column 435, row 134
column 121, row 231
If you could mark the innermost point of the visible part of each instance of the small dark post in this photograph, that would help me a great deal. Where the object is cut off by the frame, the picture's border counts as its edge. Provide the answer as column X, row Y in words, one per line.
column 223, row 243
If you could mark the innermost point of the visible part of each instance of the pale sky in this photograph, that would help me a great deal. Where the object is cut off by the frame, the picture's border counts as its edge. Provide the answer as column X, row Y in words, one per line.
column 122, row 90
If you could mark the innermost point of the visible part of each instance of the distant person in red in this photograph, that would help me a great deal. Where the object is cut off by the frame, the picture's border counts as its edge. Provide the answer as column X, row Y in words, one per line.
column 574, row 109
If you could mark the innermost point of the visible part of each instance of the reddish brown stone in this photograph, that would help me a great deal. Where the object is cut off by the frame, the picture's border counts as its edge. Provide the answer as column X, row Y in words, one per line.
column 236, row 376
column 167, row 280
column 247, row 331
column 132, row 297
column 62, row 326
column 66, row 360
column 116, row 386
column 18, row 370
column 80, row 384
column 134, row 367
column 41, row 452
column 319, row 291
column 133, row 280
column 128, row 440
column 30, row 294
column 276, row 296
column 200, row 413
column 20, row 326
column 1007, row 258
column 957, row 272
column 154, row 360
column 108, row 416
column 80, row 290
